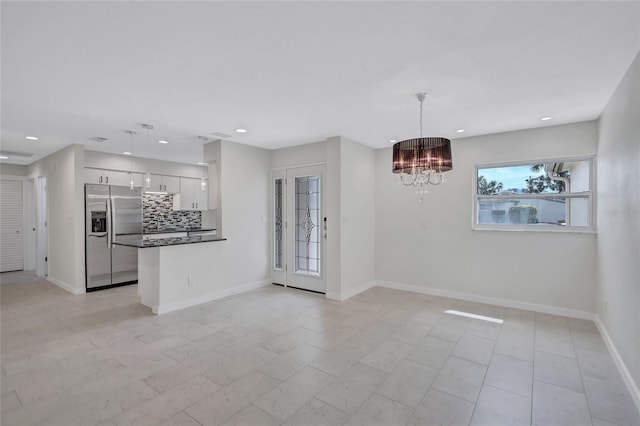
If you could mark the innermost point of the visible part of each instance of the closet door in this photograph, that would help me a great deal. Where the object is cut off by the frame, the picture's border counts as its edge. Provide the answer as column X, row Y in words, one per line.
column 11, row 239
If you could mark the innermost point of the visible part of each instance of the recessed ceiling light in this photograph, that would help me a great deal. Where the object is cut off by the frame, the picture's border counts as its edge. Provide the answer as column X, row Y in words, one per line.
column 392, row 141
column 3, row 157
column 545, row 118
column 31, row 138
column 162, row 141
column 241, row 130
column 126, row 153
column 460, row 130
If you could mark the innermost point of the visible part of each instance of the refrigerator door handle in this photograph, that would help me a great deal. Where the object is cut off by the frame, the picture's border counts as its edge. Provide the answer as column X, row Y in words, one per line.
column 109, row 222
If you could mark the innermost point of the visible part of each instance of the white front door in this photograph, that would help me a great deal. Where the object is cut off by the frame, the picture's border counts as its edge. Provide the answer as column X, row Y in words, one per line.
column 298, row 249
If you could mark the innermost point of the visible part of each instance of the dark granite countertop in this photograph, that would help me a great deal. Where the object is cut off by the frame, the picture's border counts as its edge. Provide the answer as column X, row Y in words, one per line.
column 176, row 230
column 171, row 241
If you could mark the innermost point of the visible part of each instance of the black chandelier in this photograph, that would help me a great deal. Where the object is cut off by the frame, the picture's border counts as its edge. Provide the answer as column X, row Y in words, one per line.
column 422, row 161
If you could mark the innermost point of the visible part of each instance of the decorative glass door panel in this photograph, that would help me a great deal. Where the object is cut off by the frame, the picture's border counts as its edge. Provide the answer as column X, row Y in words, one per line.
column 278, row 221
column 308, row 225
column 278, row 234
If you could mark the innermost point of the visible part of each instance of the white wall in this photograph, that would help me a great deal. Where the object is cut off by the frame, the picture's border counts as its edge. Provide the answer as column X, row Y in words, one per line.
column 244, row 175
column 332, row 199
column 65, row 205
column 431, row 244
column 103, row 160
column 300, row 155
column 357, row 217
column 13, row 169
column 618, row 218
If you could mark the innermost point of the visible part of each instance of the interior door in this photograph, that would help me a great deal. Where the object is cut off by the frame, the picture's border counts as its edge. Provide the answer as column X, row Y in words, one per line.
column 11, row 242
column 304, row 229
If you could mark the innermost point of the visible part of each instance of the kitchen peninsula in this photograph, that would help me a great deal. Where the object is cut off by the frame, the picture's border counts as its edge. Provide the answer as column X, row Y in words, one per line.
column 178, row 272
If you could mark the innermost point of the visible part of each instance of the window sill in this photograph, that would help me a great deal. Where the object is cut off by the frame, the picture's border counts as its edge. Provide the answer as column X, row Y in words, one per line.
column 552, row 229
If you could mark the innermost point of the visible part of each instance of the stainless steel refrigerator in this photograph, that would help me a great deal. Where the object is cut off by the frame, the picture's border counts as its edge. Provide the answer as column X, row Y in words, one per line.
column 112, row 213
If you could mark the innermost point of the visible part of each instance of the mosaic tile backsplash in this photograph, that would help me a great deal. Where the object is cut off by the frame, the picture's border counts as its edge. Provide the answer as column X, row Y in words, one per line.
column 158, row 214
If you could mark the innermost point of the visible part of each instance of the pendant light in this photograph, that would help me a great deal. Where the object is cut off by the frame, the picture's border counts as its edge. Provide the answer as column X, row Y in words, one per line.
column 203, row 180
column 422, row 161
column 131, row 134
column 147, row 176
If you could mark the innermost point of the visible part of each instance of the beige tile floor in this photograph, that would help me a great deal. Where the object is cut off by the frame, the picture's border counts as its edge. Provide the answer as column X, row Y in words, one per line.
column 285, row 357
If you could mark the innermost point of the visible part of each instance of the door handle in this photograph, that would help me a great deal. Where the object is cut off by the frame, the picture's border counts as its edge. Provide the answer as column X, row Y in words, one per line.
column 109, row 223
column 107, row 178
column 100, row 180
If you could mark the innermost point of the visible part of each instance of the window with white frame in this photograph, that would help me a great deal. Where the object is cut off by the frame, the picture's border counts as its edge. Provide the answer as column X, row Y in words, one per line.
column 554, row 195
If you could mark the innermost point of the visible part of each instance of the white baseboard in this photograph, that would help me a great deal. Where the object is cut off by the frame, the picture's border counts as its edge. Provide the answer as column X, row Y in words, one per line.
column 351, row 292
column 187, row 303
column 507, row 303
column 66, row 286
column 632, row 386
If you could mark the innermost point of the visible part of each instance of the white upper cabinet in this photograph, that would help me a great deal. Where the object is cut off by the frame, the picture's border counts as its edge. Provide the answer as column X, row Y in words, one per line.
column 111, row 177
column 201, row 196
column 191, row 196
column 93, row 176
column 163, row 183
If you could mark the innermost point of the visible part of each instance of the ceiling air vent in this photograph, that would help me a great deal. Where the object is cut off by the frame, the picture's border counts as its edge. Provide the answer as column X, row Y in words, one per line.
column 221, row 135
column 98, row 139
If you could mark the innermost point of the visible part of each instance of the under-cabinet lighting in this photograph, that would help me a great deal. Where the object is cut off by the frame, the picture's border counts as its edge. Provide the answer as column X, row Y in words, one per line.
column 460, row 131
column 3, row 157
column 474, row 316
column 163, row 142
column 241, row 130
column 545, row 118
column 31, row 138
column 126, row 153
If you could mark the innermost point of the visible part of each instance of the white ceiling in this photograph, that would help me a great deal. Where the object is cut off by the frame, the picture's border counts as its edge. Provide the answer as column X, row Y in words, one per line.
column 299, row 72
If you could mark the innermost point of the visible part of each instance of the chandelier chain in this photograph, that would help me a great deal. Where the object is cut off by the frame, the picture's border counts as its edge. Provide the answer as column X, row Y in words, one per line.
column 421, row 105
column 421, row 96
